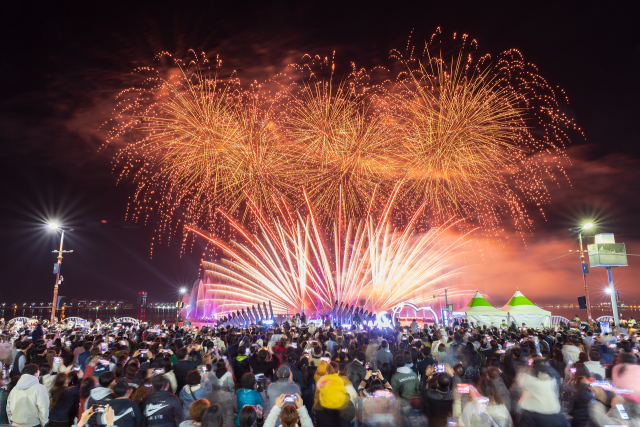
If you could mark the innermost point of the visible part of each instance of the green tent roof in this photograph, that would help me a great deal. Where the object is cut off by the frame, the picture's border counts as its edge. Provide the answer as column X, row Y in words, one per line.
column 478, row 301
column 518, row 299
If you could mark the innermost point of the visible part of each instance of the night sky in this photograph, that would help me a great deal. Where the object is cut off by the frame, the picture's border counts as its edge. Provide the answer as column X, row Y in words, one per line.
column 64, row 62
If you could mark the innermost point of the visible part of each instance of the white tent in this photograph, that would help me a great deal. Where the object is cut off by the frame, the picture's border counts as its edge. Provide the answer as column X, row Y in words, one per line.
column 521, row 310
column 479, row 312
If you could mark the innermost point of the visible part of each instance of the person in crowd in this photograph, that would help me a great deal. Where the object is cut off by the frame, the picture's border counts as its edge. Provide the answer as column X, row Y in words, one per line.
column 383, row 354
column 539, row 404
column 183, row 366
column 212, row 417
column 162, row 408
column 594, row 366
column 101, row 394
column 262, row 364
column 296, row 374
column 19, row 358
column 355, row 370
column 28, row 402
column 247, row 395
column 127, row 412
column 437, row 400
column 293, row 414
column 197, row 387
column 225, row 396
column 405, row 381
column 165, row 364
column 221, row 376
column 283, row 385
column 249, row 416
column 486, row 408
column 196, row 412
column 334, row 400
column 65, row 399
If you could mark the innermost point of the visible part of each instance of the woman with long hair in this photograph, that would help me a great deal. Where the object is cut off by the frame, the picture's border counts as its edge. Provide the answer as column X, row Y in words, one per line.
column 540, row 402
column 196, row 387
column 88, row 384
column 144, row 390
column 221, row 377
column 212, row 417
column 486, row 409
column 63, row 405
column 165, row 363
column 292, row 415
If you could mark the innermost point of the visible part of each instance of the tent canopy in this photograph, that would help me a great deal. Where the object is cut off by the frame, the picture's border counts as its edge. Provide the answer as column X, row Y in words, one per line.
column 478, row 304
column 480, row 312
column 522, row 310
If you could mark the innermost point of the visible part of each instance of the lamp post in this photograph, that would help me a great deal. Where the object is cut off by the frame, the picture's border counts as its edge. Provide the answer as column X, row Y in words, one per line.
column 179, row 305
column 584, row 266
column 56, row 266
column 446, row 304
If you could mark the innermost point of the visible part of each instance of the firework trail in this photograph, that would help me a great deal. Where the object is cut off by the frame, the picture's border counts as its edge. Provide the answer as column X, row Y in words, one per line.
column 370, row 264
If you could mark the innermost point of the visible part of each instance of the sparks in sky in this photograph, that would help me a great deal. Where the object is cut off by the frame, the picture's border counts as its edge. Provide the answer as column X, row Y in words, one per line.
column 370, row 263
column 476, row 138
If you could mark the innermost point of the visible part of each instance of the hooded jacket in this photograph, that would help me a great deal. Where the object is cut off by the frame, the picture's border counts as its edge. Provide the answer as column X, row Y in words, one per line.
column 99, row 396
column 405, row 382
column 28, row 403
column 162, row 409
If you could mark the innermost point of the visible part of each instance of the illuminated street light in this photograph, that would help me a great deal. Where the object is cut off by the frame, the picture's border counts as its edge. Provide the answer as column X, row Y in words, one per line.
column 584, row 266
column 52, row 225
column 183, row 291
column 607, row 290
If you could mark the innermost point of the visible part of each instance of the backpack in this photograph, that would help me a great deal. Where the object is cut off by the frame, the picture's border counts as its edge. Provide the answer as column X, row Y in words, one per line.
column 332, row 392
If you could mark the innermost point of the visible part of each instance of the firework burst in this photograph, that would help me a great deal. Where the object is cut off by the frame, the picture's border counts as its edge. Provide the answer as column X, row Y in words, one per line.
column 477, row 138
column 288, row 263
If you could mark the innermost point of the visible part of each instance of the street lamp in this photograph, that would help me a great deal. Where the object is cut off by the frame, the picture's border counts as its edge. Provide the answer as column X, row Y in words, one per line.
column 54, row 226
column 180, row 305
column 584, row 266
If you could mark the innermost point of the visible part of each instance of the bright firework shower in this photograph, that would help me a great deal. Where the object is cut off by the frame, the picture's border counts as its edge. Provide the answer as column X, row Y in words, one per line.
column 291, row 264
column 474, row 137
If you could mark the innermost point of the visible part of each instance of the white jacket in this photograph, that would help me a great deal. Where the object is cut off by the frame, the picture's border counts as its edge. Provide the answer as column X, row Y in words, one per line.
column 570, row 352
column 595, row 368
column 540, row 394
column 274, row 415
column 28, row 403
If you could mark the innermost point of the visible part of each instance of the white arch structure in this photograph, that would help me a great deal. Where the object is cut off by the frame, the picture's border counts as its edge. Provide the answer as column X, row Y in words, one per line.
column 555, row 320
column 74, row 319
column 23, row 320
column 398, row 309
column 127, row 320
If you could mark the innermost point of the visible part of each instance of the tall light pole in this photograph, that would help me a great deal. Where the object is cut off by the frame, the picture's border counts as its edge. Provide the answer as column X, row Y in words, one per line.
column 56, row 266
column 179, row 305
column 584, row 266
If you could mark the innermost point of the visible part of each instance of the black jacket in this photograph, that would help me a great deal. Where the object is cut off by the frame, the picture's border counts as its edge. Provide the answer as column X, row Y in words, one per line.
column 422, row 365
column 67, row 406
column 127, row 413
column 535, row 419
column 162, row 409
column 182, row 368
column 37, row 333
column 437, row 405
